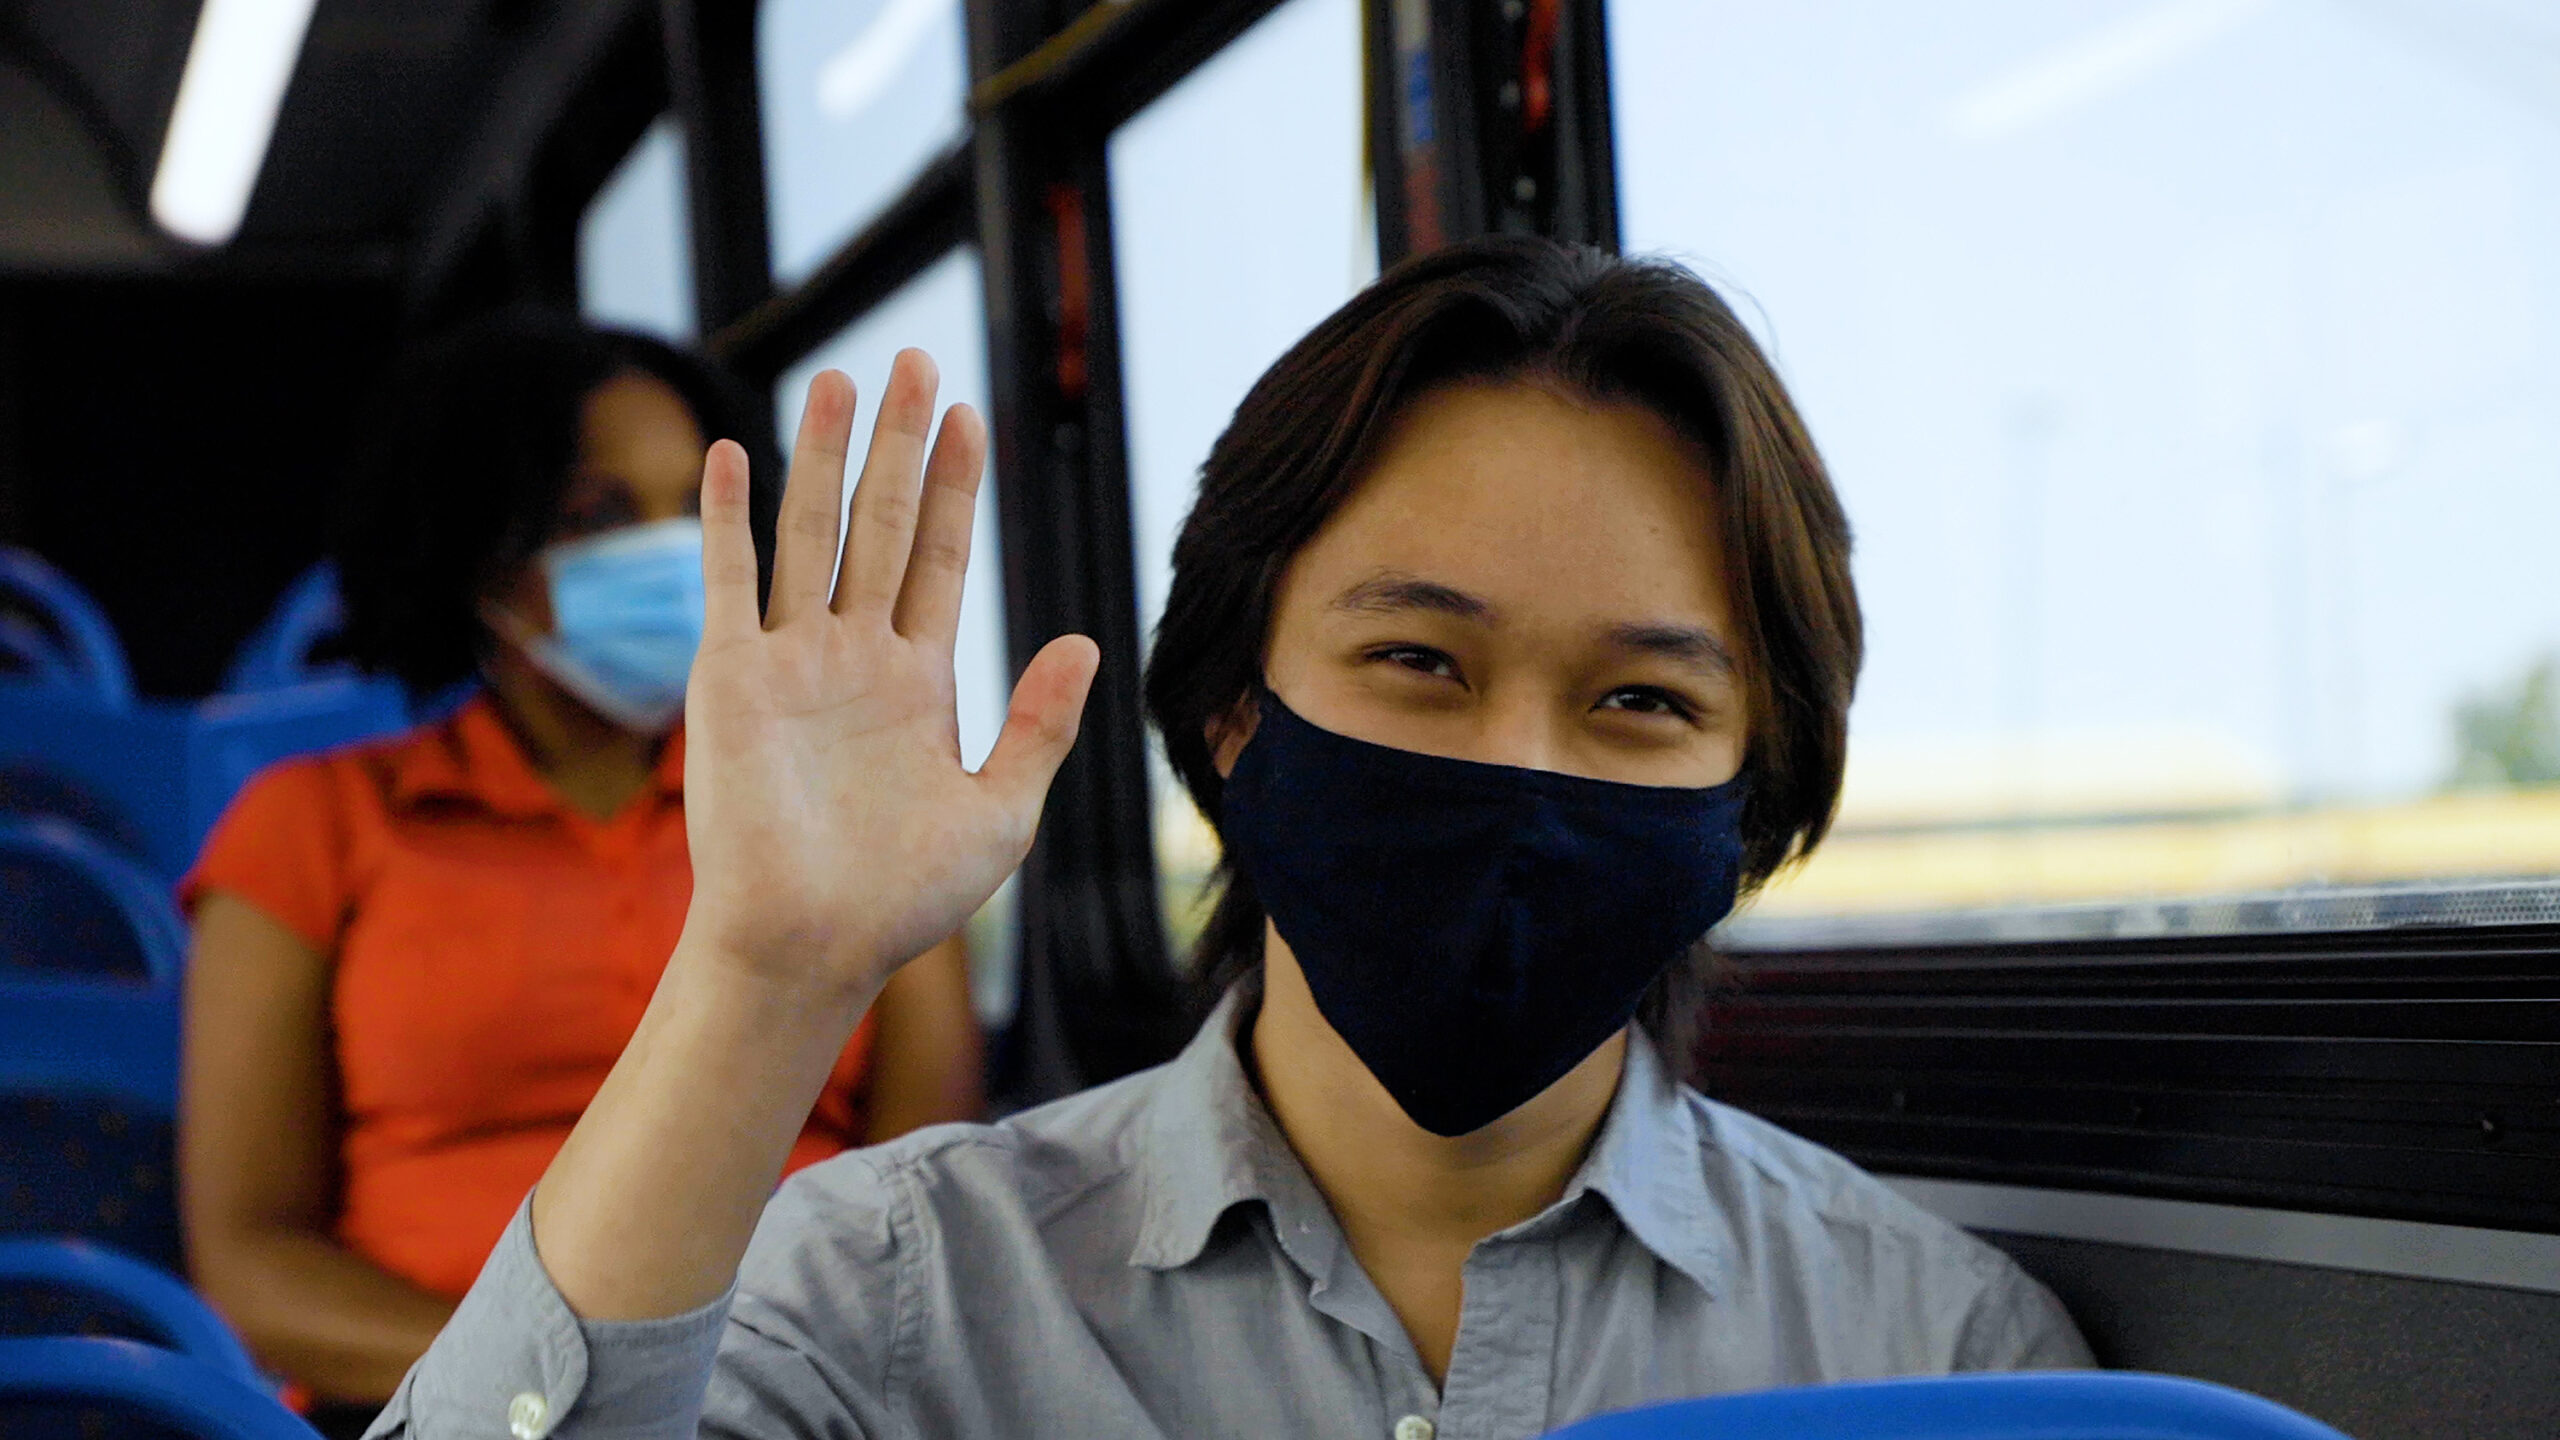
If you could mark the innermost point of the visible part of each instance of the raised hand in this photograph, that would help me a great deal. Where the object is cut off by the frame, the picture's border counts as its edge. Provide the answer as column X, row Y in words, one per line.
column 834, row 831
column 834, row 835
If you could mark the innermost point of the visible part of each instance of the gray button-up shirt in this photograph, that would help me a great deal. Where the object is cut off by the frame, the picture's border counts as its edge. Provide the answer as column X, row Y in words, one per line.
column 1150, row 1259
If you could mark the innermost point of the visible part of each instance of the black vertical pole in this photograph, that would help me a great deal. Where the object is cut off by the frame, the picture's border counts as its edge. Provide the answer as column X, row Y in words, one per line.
column 1489, row 117
column 1099, row 997
column 711, row 80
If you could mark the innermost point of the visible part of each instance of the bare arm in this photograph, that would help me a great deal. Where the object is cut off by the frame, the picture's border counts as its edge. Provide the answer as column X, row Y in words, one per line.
column 928, row 1058
column 256, row 1160
column 818, row 739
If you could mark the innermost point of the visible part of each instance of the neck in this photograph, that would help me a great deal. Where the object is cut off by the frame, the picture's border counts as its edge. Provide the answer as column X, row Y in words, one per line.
column 1413, row 1204
column 596, row 765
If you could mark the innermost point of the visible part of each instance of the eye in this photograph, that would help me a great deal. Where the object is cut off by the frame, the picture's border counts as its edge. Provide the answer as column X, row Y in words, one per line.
column 597, row 509
column 1649, row 700
column 1421, row 659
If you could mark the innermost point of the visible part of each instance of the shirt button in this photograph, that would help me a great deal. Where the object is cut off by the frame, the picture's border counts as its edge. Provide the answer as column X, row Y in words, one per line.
column 529, row 1416
column 1414, row 1427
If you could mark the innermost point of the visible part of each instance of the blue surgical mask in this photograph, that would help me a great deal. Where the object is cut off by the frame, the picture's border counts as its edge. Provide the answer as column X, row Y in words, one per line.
column 626, row 615
column 1472, row 931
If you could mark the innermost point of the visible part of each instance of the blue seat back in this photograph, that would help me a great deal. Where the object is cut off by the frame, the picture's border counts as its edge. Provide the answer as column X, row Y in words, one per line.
column 2077, row 1405
column 94, row 1384
column 165, row 772
column 73, row 1287
column 79, row 648
column 69, row 905
column 278, row 654
column 88, row 1097
column 30, row 655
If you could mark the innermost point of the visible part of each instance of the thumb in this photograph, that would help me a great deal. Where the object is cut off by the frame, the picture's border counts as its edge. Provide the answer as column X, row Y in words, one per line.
column 1040, row 728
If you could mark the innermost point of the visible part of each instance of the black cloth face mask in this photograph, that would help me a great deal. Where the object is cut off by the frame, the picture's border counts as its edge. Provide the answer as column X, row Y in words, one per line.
column 1473, row 931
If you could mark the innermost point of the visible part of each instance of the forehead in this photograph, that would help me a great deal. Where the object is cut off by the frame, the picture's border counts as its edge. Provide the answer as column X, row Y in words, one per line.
column 633, row 420
column 1543, row 502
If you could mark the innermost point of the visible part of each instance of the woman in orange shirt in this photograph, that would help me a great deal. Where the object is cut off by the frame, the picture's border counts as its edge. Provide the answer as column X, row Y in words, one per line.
column 416, row 959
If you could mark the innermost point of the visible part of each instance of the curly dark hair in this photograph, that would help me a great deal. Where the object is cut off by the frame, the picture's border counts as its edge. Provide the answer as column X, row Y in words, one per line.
column 1638, row 331
column 462, row 466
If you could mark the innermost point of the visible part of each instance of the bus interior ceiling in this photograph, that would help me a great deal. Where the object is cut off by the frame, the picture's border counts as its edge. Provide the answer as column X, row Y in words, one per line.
column 2322, row 1163
column 170, row 418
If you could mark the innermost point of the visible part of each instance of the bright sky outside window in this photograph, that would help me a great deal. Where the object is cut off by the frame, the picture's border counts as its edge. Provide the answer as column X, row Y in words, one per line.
column 635, row 256
column 1240, row 218
column 2186, row 367
column 858, row 95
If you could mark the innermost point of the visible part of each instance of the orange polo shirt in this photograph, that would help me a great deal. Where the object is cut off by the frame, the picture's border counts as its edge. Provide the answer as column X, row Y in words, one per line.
column 493, row 951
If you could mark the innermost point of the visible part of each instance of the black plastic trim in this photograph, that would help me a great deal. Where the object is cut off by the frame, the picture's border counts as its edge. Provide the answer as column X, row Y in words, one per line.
column 2409, row 1075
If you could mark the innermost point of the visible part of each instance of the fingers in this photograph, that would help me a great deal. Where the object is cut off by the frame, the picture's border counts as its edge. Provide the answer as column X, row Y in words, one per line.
column 883, row 522
column 1048, row 707
column 938, row 563
column 728, row 546
column 804, row 542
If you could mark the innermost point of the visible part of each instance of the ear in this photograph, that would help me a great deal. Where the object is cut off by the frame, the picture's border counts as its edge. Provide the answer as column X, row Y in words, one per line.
column 1228, row 731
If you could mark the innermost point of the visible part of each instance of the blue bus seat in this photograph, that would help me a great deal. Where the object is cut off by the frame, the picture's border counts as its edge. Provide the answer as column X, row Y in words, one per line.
column 2069, row 1405
column 70, row 905
column 30, row 790
column 29, row 655
column 278, row 654
column 88, row 1386
column 83, row 647
column 88, row 1100
column 75, row 1287
column 165, row 771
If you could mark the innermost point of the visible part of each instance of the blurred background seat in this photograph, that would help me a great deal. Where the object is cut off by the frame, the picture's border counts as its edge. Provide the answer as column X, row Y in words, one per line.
column 88, row 1099
column 95, row 1388
column 70, row 905
column 52, row 634
column 290, row 647
column 161, row 773
column 2074, row 1406
column 79, row 1287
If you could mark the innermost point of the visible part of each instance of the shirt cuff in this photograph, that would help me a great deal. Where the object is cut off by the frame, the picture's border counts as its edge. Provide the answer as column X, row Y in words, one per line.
column 516, row 1361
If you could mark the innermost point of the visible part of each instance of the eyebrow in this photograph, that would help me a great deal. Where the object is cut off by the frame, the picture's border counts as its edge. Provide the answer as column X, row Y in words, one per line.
column 1686, row 644
column 1391, row 592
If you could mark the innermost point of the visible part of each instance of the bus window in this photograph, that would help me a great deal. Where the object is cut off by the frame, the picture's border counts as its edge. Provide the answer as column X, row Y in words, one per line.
column 857, row 96
column 942, row 312
column 635, row 262
column 2185, row 367
column 1233, row 236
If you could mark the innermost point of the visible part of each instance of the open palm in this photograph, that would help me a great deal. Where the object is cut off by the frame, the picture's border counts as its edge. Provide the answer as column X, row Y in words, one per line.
column 834, row 830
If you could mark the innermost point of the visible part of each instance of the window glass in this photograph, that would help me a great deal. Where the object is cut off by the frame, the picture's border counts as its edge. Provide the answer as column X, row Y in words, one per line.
column 2186, row 368
column 943, row 313
column 857, row 96
column 1240, row 217
column 635, row 256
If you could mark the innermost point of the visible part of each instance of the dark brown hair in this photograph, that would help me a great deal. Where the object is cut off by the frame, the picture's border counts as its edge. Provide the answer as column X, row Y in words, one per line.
column 1643, row 332
column 464, row 459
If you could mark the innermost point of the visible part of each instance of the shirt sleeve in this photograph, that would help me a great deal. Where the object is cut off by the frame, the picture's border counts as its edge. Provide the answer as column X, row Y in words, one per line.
column 516, row 1360
column 2017, row 1324
column 802, row 1345
column 284, row 846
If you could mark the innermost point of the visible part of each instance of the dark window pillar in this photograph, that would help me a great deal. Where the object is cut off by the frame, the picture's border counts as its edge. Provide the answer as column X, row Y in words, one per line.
column 711, row 78
column 1099, row 997
column 1489, row 117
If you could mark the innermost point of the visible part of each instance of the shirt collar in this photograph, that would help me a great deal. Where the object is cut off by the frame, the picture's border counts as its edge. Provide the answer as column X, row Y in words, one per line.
column 1649, row 1165
column 472, row 756
column 1209, row 1144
